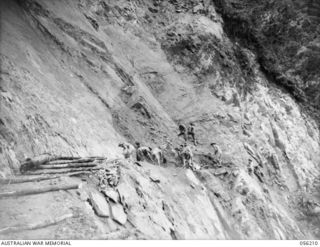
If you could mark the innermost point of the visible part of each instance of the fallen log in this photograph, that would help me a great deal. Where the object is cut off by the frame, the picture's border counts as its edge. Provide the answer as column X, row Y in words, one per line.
column 40, row 190
column 74, row 174
column 17, row 180
column 45, row 158
column 34, row 226
column 35, row 162
column 82, row 160
column 65, row 158
column 31, row 164
column 70, row 161
column 97, row 157
column 69, row 165
column 61, row 171
column 58, row 159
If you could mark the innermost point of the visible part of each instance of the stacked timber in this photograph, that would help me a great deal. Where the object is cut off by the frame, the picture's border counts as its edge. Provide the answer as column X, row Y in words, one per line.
column 51, row 164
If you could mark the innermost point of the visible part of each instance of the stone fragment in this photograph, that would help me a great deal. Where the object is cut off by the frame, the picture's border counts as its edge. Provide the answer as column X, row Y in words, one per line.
column 111, row 194
column 99, row 204
column 171, row 33
column 275, row 161
column 316, row 210
column 197, row 8
column 118, row 214
column 196, row 167
column 83, row 195
column 221, row 171
column 153, row 10
column 244, row 191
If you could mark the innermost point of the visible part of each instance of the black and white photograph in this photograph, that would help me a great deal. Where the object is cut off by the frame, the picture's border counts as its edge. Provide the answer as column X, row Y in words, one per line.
column 159, row 120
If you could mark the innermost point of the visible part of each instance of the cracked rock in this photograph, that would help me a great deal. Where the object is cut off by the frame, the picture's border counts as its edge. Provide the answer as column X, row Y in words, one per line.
column 111, row 194
column 99, row 204
column 118, row 213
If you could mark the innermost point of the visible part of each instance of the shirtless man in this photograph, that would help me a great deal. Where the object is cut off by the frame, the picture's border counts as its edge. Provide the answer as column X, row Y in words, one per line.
column 187, row 156
column 191, row 133
column 183, row 132
column 157, row 156
column 127, row 150
column 143, row 153
column 216, row 152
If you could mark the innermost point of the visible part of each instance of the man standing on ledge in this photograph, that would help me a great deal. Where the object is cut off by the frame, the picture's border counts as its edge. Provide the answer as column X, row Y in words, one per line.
column 191, row 133
column 182, row 131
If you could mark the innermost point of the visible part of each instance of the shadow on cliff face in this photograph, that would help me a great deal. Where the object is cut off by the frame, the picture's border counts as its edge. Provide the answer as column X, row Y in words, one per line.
column 285, row 37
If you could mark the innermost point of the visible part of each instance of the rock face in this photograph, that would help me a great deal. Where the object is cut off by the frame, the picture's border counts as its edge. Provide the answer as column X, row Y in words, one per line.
column 118, row 213
column 79, row 77
column 99, row 204
column 286, row 36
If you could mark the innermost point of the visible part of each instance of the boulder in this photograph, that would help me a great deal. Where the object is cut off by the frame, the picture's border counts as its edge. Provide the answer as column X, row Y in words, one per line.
column 99, row 204
column 118, row 214
column 111, row 194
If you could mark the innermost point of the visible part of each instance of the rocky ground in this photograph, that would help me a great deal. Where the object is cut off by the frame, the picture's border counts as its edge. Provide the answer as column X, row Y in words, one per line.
column 79, row 77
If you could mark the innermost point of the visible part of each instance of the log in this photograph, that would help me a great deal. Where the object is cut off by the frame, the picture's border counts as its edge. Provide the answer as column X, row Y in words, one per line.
column 61, row 171
column 57, row 162
column 40, row 190
column 65, row 158
column 45, row 158
column 69, row 165
column 34, row 163
column 74, row 174
column 38, row 160
column 17, row 180
column 83, row 160
column 97, row 157
column 34, row 226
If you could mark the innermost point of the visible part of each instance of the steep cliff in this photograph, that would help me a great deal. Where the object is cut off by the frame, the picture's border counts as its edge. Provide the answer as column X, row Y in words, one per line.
column 286, row 37
column 78, row 77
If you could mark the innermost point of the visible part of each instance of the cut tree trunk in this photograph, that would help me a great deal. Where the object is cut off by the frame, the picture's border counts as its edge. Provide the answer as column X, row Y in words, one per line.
column 61, row 171
column 78, row 160
column 34, row 226
column 42, row 159
column 74, row 174
column 17, row 180
column 68, row 165
column 40, row 190
column 57, row 162
column 65, row 158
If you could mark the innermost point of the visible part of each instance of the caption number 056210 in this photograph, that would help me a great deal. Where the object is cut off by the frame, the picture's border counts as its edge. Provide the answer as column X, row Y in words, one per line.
column 308, row 243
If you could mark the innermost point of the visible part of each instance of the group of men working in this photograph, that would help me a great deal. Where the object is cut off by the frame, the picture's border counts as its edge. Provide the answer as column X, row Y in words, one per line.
column 156, row 155
column 187, row 132
column 143, row 153
column 185, row 150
